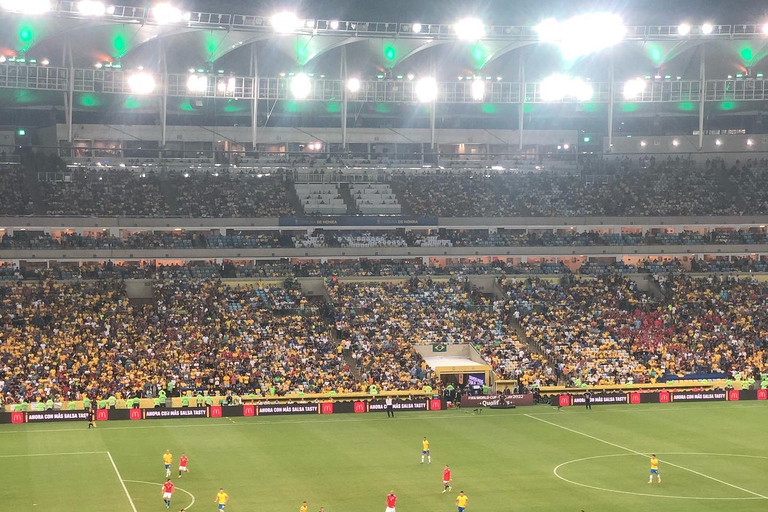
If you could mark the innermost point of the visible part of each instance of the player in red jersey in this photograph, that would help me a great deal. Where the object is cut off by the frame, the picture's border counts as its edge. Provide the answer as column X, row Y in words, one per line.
column 183, row 464
column 446, row 478
column 391, row 500
column 167, row 492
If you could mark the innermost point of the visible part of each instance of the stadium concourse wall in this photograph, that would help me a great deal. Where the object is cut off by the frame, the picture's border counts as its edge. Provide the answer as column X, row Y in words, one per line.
column 229, row 411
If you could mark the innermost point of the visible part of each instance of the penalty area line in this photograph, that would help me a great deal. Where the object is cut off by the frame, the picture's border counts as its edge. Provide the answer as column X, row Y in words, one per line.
column 630, row 450
column 122, row 482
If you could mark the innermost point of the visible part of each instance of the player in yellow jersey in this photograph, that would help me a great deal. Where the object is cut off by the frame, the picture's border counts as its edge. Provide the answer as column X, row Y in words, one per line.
column 167, row 459
column 221, row 498
column 461, row 501
column 654, row 469
column 303, row 507
column 425, row 451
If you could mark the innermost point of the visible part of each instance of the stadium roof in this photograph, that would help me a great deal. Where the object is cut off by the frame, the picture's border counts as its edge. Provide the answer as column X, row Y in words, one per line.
column 382, row 38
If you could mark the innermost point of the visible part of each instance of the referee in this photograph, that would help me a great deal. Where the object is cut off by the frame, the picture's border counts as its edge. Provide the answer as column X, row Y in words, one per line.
column 588, row 400
column 390, row 411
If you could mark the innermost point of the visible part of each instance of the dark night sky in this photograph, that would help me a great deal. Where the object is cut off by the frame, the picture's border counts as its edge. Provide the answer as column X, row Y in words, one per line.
column 500, row 11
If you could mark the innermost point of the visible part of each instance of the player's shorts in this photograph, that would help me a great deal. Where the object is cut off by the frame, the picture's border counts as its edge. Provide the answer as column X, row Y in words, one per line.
column 183, row 468
column 221, row 506
column 167, row 466
column 446, row 482
column 166, row 495
column 390, row 509
column 461, row 509
column 654, row 471
column 425, row 452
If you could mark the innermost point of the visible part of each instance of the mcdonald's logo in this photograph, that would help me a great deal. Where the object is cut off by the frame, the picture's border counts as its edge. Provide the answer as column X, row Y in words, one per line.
column 135, row 414
column 17, row 417
column 359, row 407
column 564, row 400
column 664, row 397
column 634, row 398
column 326, row 408
column 762, row 394
column 102, row 414
column 215, row 411
column 733, row 395
column 435, row 404
column 249, row 410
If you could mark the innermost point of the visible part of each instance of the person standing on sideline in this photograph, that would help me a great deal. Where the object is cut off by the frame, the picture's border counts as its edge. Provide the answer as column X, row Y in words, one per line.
column 588, row 400
column 390, row 411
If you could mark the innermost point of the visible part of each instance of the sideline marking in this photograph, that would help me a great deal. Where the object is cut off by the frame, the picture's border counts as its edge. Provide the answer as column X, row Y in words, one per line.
column 652, row 495
column 48, row 454
column 257, row 423
column 179, row 488
column 645, row 455
column 122, row 482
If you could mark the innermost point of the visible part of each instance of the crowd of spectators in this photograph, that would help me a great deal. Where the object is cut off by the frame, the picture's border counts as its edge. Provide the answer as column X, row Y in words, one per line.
column 232, row 195
column 14, row 192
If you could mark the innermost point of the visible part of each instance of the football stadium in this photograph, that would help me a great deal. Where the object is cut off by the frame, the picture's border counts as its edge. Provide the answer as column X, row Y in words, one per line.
column 350, row 255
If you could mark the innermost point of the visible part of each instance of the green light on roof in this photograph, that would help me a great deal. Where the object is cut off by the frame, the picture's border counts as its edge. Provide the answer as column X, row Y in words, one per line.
column 333, row 107
column 21, row 132
column 759, row 75
column 119, row 44
column 291, row 106
column 186, row 106
column 26, row 35
column 655, row 53
column 488, row 108
column 390, row 53
column 687, row 106
column 629, row 107
column 589, row 107
column 746, row 53
column 235, row 106
column 383, row 108
column 131, row 103
column 89, row 100
column 587, row 139
column 479, row 55
column 728, row 105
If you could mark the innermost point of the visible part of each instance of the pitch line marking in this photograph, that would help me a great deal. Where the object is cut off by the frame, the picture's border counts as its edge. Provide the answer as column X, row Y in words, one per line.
column 645, row 455
column 122, row 482
column 652, row 495
column 179, row 488
column 6, row 456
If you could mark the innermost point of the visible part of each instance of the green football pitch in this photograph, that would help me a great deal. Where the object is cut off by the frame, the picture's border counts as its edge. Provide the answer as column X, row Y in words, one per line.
column 713, row 458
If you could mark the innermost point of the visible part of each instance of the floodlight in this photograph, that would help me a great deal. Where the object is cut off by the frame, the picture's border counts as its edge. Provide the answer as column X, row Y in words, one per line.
column 566, row 146
column 426, row 90
column 141, row 83
column 718, row 142
column 583, row 34
column 44, row 62
column 478, row 90
column 707, row 28
column 231, row 84
column 26, row 6
column 301, row 86
column 470, row 29
column 2, row 59
column 684, row 29
column 416, row 28
column 750, row 142
column 410, row 76
column 197, row 83
column 165, row 14
column 634, row 88
column 221, row 86
column 91, row 8
column 353, row 85
column 558, row 87
column 548, row 30
column 643, row 143
column 582, row 90
column 335, row 25
column 675, row 142
column 286, row 22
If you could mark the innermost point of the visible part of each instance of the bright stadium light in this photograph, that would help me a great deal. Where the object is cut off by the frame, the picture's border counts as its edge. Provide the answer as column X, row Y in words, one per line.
column 707, row 29
column 684, row 29
column 426, row 90
column 634, row 88
column 197, row 83
column 141, row 83
column 165, row 14
column 26, row 6
column 353, row 85
column 583, row 34
column 91, row 8
column 231, row 84
column 301, row 86
column 558, row 87
column 478, row 90
column 469, row 29
column 765, row 29
column 416, row 28
column 750, row 142
column 335, row 25
column 286, row 22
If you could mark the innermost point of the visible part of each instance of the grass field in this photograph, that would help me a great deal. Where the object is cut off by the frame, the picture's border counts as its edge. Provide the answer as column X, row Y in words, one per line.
column 713, row 458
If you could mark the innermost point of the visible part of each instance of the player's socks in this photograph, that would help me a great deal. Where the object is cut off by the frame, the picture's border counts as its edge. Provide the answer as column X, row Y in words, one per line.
column 430, row 460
